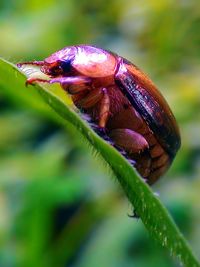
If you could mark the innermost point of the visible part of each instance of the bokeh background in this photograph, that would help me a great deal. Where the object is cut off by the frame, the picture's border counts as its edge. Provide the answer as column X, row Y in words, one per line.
column 59, row 204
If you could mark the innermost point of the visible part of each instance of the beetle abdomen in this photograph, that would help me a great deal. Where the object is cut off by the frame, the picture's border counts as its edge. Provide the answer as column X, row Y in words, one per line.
column 154, row 160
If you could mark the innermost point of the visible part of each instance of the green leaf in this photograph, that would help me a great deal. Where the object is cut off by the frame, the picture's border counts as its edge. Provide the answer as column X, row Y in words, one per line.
column 154, row 215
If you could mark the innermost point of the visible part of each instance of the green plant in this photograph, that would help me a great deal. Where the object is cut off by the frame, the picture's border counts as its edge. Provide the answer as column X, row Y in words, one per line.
column 146, row 204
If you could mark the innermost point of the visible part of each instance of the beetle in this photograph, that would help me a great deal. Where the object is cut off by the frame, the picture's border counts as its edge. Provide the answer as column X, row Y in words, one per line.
column 121, row 100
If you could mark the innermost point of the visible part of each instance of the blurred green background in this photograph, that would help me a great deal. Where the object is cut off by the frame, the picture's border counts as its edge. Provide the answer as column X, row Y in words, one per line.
column 59, row 204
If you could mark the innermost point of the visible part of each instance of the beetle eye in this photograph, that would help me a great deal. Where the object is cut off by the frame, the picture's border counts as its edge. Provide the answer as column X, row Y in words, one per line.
column 66, row 65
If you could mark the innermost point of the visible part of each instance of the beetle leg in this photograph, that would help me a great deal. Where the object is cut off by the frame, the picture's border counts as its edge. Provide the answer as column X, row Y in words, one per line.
column 136, row 146
column 34, row 79
column 34, row 63
column 70, row 80
column 61, row 80
column 129, row 140
column 104, row 109
column 75, row 89
column 91, row 99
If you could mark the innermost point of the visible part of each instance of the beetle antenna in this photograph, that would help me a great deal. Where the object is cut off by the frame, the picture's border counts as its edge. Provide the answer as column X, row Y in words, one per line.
column 35, row 63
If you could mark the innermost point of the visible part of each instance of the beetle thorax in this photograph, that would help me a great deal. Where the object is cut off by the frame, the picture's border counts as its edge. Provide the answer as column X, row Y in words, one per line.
column 94, row 62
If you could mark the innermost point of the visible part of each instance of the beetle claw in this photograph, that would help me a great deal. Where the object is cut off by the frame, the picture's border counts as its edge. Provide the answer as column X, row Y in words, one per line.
column 19, row 65
column 134, row 215
column 29, row 81
column 101, row 131
column 132, row 162
column 33, row 80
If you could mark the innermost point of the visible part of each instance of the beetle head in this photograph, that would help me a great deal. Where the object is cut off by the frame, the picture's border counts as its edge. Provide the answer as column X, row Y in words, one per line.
column 83, row 60
column 59, row 63
column 57, row 68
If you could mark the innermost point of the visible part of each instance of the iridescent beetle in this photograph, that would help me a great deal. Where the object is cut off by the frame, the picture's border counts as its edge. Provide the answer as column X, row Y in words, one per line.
column 121, row 99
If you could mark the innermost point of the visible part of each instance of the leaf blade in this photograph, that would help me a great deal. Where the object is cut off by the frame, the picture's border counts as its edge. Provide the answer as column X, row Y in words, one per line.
column 154, row 215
